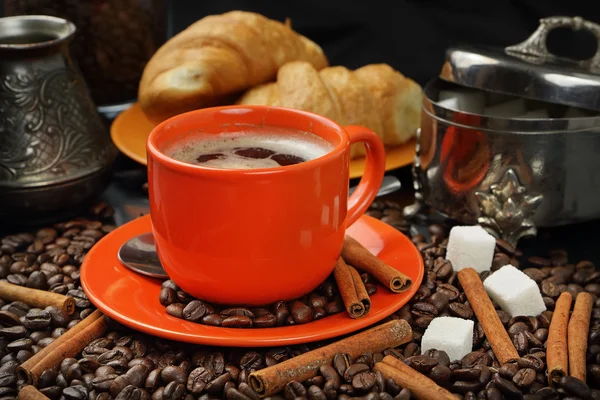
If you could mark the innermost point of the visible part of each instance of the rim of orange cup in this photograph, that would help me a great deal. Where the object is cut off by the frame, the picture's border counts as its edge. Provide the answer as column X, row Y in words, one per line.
column 179, row 166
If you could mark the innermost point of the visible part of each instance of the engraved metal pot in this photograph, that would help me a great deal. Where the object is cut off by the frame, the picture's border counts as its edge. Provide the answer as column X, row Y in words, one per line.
column 512, row 175
column 55, row 152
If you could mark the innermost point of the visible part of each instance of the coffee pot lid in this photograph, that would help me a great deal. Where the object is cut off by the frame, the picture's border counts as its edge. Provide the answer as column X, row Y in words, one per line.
column 529, row 70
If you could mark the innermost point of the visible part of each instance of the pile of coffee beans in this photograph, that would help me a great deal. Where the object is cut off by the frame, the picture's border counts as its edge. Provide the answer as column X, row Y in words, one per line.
column 125, row 364
column 322, row 302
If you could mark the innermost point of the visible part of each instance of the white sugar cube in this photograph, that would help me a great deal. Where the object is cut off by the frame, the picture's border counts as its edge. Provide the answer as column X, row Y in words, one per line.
column 450, row 103
column 470, row 101
column 507, row 109
column 470, row 247
column 450, row 334
column 515, row 292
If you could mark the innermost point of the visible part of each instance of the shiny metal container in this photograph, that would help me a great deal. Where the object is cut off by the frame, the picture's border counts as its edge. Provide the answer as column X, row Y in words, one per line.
column 512, row 175
column 55, row 152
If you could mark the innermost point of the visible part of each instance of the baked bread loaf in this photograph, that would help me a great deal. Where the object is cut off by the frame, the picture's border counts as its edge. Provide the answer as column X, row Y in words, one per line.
column 217, row 58
column 374, row 96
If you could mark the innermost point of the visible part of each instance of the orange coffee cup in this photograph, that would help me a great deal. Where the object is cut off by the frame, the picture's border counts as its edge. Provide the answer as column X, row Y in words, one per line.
column 255, row 236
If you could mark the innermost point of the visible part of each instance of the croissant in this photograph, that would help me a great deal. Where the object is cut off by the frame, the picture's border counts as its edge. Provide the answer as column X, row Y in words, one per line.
column 374, row 96
column 217, row 57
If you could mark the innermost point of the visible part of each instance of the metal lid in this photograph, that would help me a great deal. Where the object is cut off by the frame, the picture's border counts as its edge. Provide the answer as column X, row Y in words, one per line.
column 529, row 70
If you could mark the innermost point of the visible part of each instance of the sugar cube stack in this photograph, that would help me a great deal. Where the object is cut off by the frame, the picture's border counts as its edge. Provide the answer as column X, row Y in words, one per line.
column 515, row 292
column 470, row 247
column 471, row 101
column 507, row 109
column 449, row 334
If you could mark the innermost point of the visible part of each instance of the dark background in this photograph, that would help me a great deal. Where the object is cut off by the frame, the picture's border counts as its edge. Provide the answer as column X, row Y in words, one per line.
column 410, row 35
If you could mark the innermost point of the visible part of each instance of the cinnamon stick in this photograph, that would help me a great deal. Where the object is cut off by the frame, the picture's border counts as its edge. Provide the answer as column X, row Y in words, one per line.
column 577, row 335
column 420, row 386
column 345, row 283
column 53, row 354
column 36, row 298
column 358, row 256
column 557, row 356
column 361, row 290
column 29, row 392
column 480, row 302
column 271, row 380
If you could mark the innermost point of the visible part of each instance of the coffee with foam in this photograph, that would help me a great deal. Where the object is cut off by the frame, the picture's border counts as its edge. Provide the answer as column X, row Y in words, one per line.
column 250, row 148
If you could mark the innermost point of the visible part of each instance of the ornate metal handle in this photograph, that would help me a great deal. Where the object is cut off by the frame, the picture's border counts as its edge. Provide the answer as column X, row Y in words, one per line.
column 535, row 45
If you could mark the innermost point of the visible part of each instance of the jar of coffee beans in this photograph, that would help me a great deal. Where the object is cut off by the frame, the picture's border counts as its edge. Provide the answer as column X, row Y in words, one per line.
column 114, row 40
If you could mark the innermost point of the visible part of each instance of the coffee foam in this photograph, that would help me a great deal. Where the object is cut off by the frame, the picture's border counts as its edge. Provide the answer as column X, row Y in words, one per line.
column 285, row 141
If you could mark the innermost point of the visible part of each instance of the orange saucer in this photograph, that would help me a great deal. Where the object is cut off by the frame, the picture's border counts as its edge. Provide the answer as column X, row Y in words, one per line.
column 132, row 299
column 131, row 128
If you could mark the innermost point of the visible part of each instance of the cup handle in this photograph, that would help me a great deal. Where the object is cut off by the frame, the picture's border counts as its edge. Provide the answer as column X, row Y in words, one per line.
column 370, row 182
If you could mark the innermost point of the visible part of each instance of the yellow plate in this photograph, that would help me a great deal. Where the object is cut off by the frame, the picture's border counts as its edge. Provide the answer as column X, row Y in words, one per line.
column 131, row 128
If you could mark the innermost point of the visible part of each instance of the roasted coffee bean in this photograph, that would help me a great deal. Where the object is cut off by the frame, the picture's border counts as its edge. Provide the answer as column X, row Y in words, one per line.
column 440, row 374
column 508, row 370
column 8, row 379
column 269, row 320
column 237, row 321
column 466, row 374
column 9, row 367
column 8, row 318
column 37, row 280
column 506, row 387
column 175, row 309
column 334, row 307
column 449, row 290
column 411, row 350
column 423, row 309
column 301, row 313
column 293, row 390
column 354, row 369
column 341, row 362
column 439, row 355
column 75, row 393
column 80, row 298
column 439, row 300
column 521, row 343
column 17, row 279
column 574, row 387
column 461, row 310
column 216, row 386
column 103, row 383
column 316, row 393
column 363, row 381
column 174, row 391
column 422, row 363
column 153, row 379
column 167, row 296
column 13, row 332
column 212, row 319
column 463, row 387
column 194, row 311
column 476, row 358
column 198, row 380
column 531, row 361
column 52, row 392
column 118, row 384
column 524, row 377
column 138, row 373
column 246, row 390
column 37, row 319
column 173, row 373
column 504, row 317
column 239, row 311
column 20, row 344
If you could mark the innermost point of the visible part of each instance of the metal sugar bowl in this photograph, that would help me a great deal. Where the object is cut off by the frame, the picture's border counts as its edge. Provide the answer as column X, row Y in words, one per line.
column 510, row 138
column 55, row 152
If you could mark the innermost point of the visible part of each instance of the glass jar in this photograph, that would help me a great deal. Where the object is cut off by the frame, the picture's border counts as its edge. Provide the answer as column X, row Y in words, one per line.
column 114, row 40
